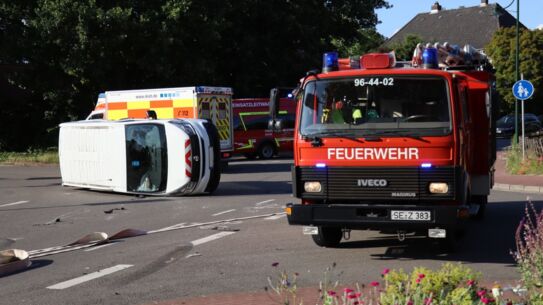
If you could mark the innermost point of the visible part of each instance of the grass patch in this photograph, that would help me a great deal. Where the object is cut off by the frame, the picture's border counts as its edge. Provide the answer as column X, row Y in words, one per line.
column 531, row 165
column 49, row 156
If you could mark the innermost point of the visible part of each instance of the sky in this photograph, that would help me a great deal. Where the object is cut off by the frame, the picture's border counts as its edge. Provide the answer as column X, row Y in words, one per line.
column 392, row 19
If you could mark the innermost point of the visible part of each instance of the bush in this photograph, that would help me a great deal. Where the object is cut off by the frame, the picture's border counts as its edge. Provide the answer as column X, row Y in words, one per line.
column 529, row 254
column 531, row 165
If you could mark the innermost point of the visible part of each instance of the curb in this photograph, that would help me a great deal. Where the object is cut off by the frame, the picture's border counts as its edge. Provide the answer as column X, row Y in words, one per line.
column 518, row 188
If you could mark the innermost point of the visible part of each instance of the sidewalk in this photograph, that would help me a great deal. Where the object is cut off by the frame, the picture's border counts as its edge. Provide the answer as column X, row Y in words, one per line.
column 515, row 183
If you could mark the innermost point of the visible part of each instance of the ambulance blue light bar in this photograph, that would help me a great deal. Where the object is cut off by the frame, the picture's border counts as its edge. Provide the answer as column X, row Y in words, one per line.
column 330, row 62
column 426, row 165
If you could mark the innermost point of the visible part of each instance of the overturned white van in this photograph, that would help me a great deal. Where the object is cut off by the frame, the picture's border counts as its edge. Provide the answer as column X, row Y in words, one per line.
column 150, row 157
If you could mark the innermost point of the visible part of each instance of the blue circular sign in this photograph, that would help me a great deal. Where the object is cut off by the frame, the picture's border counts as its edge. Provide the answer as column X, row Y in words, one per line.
column 523, row 89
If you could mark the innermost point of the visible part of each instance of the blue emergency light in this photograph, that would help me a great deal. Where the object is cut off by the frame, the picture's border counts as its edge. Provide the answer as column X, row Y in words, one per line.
column 320, row 165
column 330, row 62
column 429, row 58
column 426, row 165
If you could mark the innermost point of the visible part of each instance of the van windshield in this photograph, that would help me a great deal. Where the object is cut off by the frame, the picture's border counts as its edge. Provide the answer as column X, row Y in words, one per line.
column 146, row 158
column 376, row 105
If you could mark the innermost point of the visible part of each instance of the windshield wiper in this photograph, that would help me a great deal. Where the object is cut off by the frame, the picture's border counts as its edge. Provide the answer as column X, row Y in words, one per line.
column 403, row 133
column 331, row 133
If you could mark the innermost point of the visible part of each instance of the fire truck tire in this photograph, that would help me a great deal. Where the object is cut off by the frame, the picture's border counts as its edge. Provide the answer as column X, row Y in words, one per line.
column 328, row 237
column 482, row 201
column 266, row 150
column 216, row 146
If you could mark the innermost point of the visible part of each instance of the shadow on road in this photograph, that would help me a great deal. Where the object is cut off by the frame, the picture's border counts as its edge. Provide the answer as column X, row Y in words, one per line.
column 488, row 241
column 36, row 264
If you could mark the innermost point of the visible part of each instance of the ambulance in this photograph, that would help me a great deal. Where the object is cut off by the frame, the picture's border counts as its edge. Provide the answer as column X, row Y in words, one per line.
column 144, row 157
column 199, row 102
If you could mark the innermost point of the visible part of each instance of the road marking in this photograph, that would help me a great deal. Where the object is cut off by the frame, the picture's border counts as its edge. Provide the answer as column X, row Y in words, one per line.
column 275, row 217
column 210, row 238
column 223, row 212
column 263, row 202
column 13, row 203
column 88, row 277
column 98, row 247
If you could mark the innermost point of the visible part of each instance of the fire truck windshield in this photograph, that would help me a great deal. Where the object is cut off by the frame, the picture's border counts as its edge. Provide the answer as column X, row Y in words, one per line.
column 376, row 105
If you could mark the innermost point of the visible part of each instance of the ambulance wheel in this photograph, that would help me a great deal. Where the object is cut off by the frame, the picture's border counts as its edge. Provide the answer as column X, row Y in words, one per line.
column 214, row 140
column 482, row 202
column 328, row 237
column 266, row 150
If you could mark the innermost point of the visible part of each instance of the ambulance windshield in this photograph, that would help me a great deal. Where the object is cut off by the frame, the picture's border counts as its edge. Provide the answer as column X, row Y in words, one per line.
column 376, row 105
column 146, row 158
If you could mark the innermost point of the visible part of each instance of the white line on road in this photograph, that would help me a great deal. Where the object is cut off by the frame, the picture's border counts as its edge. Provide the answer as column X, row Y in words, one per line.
column 13, row 203
column 88, row 277
column 275, row 217
column 98, row 247
column 223, row 212
column 263, row 202
column 210, row 238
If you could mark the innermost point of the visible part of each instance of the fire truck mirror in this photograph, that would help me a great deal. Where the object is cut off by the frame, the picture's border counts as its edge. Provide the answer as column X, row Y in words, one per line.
column 274, row 103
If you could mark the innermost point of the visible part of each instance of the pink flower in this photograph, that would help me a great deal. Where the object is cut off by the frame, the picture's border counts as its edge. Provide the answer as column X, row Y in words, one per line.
column 385, row 271
column 410, row 302
column 347, row 290
column 421, row 275
column 358, row 294
column 374, row 284
column 471, row 282
column 481, row 293
column 417, row 281
column 485, row 300
column 331, row 293
column 351, row 296
column 427, row 301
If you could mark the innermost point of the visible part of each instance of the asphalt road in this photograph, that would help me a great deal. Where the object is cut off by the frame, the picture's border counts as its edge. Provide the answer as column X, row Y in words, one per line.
column 200, row 256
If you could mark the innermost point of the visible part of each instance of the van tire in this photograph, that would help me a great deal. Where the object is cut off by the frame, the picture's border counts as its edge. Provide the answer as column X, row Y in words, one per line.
column 328, row 237
column 215, row 175
column 266, row 150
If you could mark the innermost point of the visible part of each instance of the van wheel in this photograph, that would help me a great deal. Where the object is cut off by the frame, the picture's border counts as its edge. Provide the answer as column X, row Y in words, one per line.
column 328, row 237
column 266, row 150
column 214, row 140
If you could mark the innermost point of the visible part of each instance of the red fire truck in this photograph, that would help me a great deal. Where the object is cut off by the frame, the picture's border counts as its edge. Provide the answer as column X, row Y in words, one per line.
column 396, row 147
column 252, row 137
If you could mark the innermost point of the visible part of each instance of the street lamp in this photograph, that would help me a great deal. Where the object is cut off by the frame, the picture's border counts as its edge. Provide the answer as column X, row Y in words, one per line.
column 517, row 71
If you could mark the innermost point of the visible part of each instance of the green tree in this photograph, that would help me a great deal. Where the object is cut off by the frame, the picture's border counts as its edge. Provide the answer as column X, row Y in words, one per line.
column 501, row 51
column 66, row 51
column 404, row 50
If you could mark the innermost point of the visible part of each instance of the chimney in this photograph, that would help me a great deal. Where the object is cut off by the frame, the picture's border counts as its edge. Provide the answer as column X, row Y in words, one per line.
column 484, row 3
column 435, row 8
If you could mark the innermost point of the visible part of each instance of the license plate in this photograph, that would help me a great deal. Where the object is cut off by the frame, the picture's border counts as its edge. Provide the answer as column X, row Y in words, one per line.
column 411, row 215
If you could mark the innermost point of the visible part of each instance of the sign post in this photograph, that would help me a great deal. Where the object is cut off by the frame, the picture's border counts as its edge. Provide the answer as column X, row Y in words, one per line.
column 522, row 90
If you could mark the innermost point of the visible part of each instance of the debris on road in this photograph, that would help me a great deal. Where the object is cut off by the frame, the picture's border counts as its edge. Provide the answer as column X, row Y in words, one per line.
column 13, row 260
column 114, row 209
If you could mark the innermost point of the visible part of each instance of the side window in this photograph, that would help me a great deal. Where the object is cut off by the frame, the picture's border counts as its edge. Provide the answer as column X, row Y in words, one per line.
column 222, row 110
column 237, row 123
column 256, row 122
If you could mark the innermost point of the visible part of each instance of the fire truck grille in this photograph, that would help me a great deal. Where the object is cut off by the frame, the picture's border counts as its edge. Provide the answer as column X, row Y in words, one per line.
column 406, row 184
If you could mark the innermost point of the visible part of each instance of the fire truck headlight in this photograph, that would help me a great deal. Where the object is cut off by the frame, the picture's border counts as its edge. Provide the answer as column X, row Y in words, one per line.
column 438, row 188
column 312, row 187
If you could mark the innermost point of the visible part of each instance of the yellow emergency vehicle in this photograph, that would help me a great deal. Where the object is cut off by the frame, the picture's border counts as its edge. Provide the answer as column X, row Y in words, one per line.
column 199, row 102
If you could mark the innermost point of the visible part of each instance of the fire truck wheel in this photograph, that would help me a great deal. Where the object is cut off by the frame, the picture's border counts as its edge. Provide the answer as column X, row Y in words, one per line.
column 481, row 201
column 216, row 146
column 266, row 150
column 328, row 237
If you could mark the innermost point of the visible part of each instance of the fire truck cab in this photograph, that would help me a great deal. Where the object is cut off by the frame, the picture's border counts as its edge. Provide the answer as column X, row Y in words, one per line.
column 395, row 147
